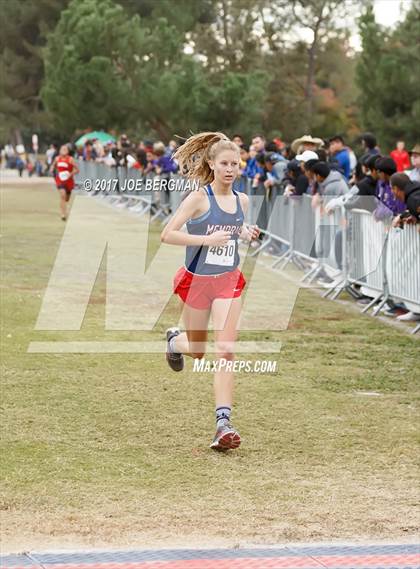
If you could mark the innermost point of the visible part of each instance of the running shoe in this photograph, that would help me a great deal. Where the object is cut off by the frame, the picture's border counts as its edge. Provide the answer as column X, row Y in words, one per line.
column 175, row 360
column 409, row 317
column 395, row 311
column 226, row 437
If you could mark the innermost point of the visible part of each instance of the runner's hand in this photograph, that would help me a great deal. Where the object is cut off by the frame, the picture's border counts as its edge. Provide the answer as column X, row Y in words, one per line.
column 217, row 239
column 254, row 232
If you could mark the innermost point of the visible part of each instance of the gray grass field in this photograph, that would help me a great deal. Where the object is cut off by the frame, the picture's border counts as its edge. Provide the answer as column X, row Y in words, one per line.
column 112, row 449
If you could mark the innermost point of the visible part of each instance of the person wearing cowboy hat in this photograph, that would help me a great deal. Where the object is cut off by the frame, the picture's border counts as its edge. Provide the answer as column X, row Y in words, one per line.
column 414, row 174
column 306, row 142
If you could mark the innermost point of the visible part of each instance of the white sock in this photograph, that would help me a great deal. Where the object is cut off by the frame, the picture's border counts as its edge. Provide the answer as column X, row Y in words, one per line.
column 171, row 346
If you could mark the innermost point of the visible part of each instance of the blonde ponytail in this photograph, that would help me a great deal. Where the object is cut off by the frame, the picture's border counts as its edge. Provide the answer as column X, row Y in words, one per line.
column 194, row 154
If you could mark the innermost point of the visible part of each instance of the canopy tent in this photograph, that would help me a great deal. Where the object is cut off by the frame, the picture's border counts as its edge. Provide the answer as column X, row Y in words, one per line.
column 100, row 135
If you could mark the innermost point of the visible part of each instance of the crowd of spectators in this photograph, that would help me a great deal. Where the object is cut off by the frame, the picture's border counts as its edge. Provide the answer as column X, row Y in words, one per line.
column 145, row 156
column 16, row 157
column 387, row 186
column 330, row 168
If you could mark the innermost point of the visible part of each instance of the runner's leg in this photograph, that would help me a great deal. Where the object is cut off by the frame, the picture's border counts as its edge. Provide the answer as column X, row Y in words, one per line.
column 193, row 342
column 225, row 314
column 63, row 201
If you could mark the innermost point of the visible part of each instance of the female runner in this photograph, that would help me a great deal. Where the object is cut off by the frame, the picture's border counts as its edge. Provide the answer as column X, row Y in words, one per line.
column 65, row 169
column 210, row 283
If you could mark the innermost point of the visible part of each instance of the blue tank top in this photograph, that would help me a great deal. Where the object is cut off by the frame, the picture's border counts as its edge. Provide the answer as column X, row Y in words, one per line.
column 203, row 260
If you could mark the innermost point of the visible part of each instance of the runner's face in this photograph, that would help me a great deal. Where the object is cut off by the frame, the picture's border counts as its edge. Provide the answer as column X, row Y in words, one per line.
column 64, row 150
column 226, row 166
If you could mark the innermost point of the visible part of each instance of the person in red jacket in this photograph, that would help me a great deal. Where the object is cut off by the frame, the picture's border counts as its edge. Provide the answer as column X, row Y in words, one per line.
column 64, row 168
column 401, row 157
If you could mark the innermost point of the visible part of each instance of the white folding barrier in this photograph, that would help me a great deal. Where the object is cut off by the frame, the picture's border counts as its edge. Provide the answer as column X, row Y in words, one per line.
column 403, row 266
column 367, row 246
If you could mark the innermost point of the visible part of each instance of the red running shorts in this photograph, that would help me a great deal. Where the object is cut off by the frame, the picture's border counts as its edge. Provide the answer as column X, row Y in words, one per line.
column 199, row 291
column 67, row 185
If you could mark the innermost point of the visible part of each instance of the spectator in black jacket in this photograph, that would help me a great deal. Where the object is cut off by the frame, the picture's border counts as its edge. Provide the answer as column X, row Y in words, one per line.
column 296, row 181
column 366, row 195
column 409, row 193
column 369, row 144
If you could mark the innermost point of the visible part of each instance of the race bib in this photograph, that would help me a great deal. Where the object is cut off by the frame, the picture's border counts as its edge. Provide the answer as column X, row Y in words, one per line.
column 64, row 176
column 222, row 255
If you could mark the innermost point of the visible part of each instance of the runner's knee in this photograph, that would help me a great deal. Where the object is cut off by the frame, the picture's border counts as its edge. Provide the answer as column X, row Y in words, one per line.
column 225, row 350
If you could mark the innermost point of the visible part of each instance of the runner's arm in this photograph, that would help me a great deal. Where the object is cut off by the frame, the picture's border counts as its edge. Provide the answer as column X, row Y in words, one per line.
column 75, row 167
column 248, row 232
column 52, row 167
column 172, row 233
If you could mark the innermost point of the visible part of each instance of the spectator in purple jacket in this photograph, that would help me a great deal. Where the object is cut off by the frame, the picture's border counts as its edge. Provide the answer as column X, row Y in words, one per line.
column 163, row 163
column 389, row 204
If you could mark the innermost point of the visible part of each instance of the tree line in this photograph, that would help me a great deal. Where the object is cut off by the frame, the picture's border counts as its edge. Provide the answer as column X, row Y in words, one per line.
column 155, row 69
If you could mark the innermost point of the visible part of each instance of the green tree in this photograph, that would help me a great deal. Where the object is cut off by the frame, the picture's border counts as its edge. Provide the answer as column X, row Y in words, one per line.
column 25, row 26
column 335, row 91
column 373, row 40
column 88, row 65
column 387, row 75
column 184, row 14
column 105, row 69
column 322, row 20
column 399, row 79
column 261, row 35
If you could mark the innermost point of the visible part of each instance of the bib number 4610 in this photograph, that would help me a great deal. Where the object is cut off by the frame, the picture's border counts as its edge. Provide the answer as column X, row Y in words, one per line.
column 222, row 255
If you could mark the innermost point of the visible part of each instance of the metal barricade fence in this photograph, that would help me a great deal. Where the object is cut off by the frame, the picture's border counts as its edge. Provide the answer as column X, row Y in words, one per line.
column 325, row 232
column 403, row 266
column 250, row 216
column 175, row 195
column 304, row 231
column 298, row 219
column 263, row 215
column 367, row 248
column 280, row 221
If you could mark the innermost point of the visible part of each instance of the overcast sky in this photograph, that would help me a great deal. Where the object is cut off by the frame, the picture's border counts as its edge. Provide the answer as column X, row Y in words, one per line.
column 387, row 13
